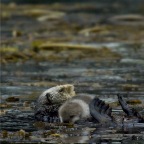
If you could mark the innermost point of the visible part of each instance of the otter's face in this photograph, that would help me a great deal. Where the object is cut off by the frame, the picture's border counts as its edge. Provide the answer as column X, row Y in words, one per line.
column 57, row 94
column 70, row 112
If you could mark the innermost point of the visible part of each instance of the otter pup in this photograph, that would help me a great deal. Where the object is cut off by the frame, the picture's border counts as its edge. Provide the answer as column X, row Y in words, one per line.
column 75, row 109
column 50, row 100
column 85, row 107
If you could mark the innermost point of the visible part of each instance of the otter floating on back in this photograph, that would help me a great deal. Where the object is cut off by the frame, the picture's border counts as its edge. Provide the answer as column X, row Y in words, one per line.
column 51, row 104
column 75, row 109
column 51, row 99
column 84, row 107
column 87, row 107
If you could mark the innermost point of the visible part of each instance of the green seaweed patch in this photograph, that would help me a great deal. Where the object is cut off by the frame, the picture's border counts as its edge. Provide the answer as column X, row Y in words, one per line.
column 128, row 19
column 96, row 29
column 36, row 44
column 65, row 51
column 4, row 134
column 39, row 125
column 69, row 125
column 50, row 132
column 130, row 87
column 35, row 12
column 14, row 55
column 5, row 105
column 43, row 51
column 5, row 50
column 134, row 102
column 43, row 14
column 5, row 15
column 55, row 135
column 114, row 104
column 115, row 33
column 12, row 99
column 64, row 46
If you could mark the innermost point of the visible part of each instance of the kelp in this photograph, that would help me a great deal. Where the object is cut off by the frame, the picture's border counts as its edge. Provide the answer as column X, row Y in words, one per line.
column 12, row 99
column 83, row 50
column 130, row 87
column 128, row 19
column 110, row 32
column 134, row 102
column 42, row 51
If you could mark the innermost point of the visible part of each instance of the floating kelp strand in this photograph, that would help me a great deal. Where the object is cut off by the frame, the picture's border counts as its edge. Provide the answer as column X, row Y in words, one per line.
column 128, row 19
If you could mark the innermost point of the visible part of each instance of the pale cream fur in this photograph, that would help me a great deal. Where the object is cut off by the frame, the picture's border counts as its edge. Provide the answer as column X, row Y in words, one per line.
column 56, row 95
column 78, row 107
column 85, row 107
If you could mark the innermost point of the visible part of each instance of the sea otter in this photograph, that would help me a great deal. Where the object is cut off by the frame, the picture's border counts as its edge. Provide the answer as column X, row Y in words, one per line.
column 87, row 107
column 51, row 104
column 50, row 100
column 81, row 108
column 75, row 109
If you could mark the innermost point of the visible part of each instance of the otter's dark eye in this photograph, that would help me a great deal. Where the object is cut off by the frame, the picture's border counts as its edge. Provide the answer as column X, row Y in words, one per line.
column 61, row 90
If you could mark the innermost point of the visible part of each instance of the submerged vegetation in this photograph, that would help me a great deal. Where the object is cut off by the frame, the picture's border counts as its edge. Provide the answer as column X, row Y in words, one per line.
column 42, row 51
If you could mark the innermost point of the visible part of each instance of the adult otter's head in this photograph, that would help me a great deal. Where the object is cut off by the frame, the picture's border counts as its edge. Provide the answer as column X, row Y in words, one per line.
column 57, row 94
